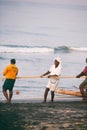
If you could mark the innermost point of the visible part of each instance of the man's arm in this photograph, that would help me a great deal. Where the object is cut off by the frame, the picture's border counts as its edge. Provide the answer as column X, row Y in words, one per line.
column 84, row 72
column 79, row 75
column 48, row 72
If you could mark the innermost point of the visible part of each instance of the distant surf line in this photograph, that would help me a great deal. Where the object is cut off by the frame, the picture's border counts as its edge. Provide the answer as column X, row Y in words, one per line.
column 39, row 49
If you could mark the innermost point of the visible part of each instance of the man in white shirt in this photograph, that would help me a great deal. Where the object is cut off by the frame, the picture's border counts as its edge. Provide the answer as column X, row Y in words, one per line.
column 53, row 73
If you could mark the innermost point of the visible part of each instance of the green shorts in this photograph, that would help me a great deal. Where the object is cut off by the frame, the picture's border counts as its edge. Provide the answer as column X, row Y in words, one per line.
column 83, row 84
column 8, row 84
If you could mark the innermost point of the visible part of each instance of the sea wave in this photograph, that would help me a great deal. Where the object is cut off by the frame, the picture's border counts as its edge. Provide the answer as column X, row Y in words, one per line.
column 39, row 49
column 68, row 49
column 79, row 48
column 24, row 49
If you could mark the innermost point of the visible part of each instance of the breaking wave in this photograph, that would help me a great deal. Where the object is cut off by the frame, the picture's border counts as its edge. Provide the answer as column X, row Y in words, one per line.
column 39, row 49
column 24, row 49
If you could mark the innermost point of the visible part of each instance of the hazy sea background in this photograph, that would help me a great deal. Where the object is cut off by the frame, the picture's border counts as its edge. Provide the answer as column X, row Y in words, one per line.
column 34, row 32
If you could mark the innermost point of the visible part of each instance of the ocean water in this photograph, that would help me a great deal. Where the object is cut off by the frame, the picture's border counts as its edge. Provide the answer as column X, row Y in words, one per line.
column 34, row 32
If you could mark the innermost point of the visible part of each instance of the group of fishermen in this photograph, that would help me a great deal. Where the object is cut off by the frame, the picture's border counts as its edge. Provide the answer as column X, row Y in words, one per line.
column 11, row 71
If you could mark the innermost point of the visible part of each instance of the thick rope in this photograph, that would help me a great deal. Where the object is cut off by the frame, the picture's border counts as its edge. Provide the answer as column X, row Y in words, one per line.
column 32, row 77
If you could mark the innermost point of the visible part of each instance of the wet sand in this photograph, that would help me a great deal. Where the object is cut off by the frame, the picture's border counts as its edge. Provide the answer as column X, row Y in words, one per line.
column 59, row 115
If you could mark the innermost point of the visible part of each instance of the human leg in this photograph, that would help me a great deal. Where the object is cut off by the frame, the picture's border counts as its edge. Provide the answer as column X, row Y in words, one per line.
column 45, row 94
column 10, row 95
column 52, row 96
column 82, row 92
column 82, row 88
column 86, row 94
column 5, row 94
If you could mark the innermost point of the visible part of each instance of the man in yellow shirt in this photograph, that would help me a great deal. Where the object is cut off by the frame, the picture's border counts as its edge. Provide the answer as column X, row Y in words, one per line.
column 10, row 73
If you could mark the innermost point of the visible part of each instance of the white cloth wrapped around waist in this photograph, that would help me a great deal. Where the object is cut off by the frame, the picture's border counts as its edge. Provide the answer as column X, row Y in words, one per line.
column 52, row 84
column 53, row 81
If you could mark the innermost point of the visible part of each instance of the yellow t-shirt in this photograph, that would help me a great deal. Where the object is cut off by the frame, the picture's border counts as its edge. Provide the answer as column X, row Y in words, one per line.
column 10, row 71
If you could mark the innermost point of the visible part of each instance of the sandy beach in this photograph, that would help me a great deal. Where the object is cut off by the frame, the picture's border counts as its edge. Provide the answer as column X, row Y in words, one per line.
column 59, row 115
column 35, row 32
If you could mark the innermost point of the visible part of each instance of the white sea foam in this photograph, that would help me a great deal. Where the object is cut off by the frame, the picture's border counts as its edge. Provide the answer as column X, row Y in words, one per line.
column 79, row 48
column 5, row 49
column 39, row 49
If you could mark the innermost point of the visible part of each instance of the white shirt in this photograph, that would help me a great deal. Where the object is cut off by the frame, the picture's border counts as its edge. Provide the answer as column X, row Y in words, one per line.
column 55, row 71
column 53, row 82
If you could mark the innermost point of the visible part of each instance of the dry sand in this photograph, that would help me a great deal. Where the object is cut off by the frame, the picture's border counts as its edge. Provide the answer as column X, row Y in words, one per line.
column 60, row 115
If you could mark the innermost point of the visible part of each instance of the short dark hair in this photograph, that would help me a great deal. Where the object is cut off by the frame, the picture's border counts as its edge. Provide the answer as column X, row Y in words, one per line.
column 13, row 61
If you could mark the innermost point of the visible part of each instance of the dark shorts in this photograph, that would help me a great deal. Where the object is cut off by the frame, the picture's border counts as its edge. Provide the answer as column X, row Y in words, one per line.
column 83, row 84
column 8, row 84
